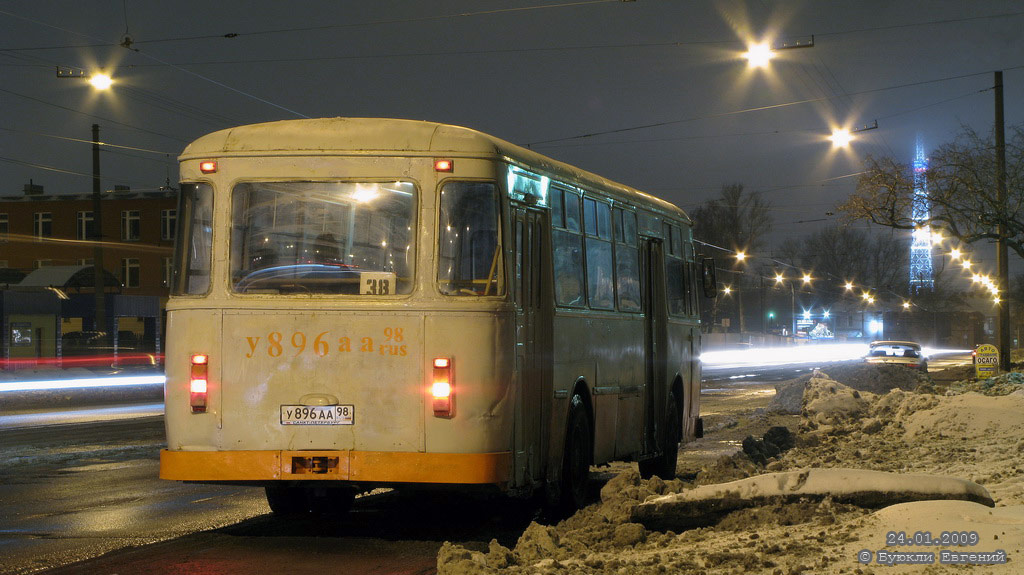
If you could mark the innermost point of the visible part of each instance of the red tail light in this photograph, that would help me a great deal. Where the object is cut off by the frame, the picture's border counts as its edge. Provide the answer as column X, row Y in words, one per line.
column 442, row 390
column 198, row 383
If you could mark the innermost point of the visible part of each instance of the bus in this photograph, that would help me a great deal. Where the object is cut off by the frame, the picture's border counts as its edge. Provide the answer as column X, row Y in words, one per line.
column 362, row 303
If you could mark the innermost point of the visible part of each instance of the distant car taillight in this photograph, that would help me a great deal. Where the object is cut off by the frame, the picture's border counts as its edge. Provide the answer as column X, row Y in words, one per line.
column 442, row 390
column 198, row 383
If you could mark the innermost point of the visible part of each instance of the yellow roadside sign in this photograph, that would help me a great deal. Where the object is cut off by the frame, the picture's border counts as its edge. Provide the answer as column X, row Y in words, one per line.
column 986, row 361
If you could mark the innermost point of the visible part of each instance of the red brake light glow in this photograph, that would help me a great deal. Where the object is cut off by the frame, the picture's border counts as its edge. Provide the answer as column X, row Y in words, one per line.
column 208, row 167
column 442, row 388
column 198, row 382
column 444, row 165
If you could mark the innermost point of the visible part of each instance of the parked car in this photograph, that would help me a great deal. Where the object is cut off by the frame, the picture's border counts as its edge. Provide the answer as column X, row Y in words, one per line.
column 906, row 353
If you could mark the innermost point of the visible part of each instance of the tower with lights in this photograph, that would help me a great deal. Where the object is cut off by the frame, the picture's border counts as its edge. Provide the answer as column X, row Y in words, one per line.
column 921, row 247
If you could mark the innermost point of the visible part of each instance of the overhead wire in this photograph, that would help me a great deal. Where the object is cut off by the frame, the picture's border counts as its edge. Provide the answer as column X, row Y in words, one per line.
column 759, row 108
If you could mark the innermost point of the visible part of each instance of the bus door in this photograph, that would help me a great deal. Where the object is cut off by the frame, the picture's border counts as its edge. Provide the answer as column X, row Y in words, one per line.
column 532, row 339
column 652, row 264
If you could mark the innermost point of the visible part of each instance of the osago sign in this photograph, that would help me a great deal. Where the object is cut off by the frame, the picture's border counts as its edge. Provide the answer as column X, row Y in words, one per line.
column 986, row 361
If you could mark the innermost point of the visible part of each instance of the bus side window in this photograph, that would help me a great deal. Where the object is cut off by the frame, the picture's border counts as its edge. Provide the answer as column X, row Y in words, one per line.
column 627, row 261
column 600, row 292
column 568, row 264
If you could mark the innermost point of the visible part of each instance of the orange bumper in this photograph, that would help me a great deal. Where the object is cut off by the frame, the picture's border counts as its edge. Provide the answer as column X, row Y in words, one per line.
column 365, row 466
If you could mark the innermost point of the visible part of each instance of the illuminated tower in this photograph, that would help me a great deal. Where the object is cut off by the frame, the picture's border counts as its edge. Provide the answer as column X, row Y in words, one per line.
column 921, row 247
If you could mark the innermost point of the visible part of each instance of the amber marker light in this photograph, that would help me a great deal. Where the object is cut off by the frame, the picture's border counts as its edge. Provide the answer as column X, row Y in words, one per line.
column 208, row 167
column 444, row 165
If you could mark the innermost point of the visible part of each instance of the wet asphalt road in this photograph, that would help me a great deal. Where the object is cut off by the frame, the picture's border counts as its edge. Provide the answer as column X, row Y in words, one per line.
column 79, row 494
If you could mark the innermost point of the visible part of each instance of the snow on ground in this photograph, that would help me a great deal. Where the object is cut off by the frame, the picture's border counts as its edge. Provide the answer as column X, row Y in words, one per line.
column 971, row 436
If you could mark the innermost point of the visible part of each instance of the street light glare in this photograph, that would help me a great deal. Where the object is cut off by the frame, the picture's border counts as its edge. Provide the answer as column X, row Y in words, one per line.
column 101, row 81
column 841, row 137
column 758, row 55
column 740, row 256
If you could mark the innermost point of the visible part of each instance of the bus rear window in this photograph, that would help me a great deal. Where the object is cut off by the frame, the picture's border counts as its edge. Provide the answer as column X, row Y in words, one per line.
column 352, row 238
column 470, row 262
column 193, row 247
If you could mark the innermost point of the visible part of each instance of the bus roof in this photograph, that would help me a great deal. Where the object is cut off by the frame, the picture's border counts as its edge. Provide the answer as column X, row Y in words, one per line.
column 370, row 136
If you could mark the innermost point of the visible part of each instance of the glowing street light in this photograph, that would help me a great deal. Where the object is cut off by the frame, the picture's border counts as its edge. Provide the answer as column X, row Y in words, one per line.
column 726, row 290
column 779, row 278
column 906, row 305
column 740, row 256
column 955, row 254
column 101, row 81
column 849, row 286
column 807, row 278
column 758, row 55
column 841, row 138
column 966, row 264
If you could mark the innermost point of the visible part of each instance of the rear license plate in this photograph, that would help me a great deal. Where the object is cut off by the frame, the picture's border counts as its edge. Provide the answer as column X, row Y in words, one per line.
column 317, row 415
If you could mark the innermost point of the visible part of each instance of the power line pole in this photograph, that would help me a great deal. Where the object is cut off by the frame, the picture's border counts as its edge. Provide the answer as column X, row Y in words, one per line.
column 1003, row 323
column 97, row 236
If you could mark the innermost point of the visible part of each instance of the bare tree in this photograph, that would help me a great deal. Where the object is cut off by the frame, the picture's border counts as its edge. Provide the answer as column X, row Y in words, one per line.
column 842, row 253
column 735, row 220
column 961, row 191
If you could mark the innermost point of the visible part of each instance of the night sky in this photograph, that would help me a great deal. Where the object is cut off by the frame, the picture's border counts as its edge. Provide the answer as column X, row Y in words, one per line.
column 649, row 93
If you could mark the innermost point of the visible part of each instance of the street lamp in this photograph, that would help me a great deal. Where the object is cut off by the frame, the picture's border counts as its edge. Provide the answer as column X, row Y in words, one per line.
column 101, row 81
column 758, row 55
column 841, row 138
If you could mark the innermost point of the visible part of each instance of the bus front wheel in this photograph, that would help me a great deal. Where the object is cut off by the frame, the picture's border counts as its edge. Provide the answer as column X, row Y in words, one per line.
column 576, row 458
column 664, row 465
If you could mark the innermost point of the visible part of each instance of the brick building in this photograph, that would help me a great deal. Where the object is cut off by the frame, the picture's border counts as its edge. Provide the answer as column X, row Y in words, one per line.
column 38, row 230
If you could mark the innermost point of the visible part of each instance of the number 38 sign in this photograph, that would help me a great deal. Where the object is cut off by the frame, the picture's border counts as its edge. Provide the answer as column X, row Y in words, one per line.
column 986, row 361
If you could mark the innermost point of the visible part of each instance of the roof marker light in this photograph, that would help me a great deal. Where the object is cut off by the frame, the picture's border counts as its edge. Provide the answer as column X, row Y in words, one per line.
column 444, row 165
column 208, row 167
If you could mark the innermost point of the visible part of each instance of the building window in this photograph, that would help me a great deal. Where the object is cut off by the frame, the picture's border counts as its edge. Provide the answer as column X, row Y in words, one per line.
column 168, row 271
column 130, row 272
column 168, row 224
column 130, row 225
column 42, row 225
column 86, row 226
column 43, row 263
column 4, row 227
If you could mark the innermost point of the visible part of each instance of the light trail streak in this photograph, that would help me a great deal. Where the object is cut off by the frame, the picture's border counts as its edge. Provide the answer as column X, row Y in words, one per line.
column 797, row 354
column 81, row 383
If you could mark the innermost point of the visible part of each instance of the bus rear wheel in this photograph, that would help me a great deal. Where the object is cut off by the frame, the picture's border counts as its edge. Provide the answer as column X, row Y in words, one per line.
column 576, row 458
column 664, row 465
column 293, row 500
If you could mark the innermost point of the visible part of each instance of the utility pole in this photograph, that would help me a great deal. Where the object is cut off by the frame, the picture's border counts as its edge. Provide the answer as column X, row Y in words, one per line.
column 97, row 237
column 1003, row 323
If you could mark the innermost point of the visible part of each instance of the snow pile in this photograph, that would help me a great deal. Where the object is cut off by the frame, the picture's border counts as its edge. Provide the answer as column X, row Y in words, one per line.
column 1004, row 384
column 872, row 378
column 971, row 436
column 827, row 404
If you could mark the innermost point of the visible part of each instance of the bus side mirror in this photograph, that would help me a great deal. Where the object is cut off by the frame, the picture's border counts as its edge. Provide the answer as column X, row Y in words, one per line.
column 708, row 278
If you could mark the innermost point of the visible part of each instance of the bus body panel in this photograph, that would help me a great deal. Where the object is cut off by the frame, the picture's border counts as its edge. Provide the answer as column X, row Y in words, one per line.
column 268, row 350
